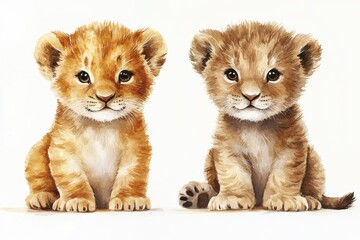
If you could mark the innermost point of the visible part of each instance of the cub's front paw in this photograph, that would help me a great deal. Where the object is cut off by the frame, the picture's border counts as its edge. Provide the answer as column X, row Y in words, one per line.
column 223, row 202
column 286, row 203
column 130, row 204
column 74, row 205
column 41, row 200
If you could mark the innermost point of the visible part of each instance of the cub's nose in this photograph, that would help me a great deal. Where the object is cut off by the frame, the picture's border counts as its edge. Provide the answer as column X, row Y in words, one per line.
column 251, row 97
column 105, row 98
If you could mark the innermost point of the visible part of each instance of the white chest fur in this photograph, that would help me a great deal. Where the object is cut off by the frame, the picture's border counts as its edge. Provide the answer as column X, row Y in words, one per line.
column 258, row 151
column 100, row 155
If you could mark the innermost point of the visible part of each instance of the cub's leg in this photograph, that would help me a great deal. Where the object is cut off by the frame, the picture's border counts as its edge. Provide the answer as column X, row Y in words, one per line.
column 236, row 189
column 43, row 191
column 129, row 189
column 198, row 195
column 314, row 180
column 76, row 193
column 282, row 191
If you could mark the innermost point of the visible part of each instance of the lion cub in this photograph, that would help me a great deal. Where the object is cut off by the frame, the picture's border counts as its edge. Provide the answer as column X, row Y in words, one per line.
column 97, row 153
column 261, row 156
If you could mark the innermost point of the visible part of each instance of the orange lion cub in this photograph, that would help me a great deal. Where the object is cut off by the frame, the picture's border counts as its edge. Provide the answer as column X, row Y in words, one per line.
column 97, row 153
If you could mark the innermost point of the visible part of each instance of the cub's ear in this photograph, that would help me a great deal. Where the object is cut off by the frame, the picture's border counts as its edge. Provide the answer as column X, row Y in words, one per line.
column 309, row 53
column 203, row 46
column 48, row 51
column 153, row 48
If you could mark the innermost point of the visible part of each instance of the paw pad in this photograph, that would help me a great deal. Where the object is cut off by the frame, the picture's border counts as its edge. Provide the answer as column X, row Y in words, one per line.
column 196, row 195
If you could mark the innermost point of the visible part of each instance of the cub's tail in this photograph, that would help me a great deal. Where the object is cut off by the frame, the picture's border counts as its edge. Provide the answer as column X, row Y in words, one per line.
column 343, row 202
column 196, row 195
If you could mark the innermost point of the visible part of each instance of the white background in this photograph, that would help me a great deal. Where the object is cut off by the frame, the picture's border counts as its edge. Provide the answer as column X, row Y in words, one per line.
column 180, row 117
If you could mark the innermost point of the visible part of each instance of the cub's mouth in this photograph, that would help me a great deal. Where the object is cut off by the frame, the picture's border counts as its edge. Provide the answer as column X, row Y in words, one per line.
column 106, row 108
column 249, row 107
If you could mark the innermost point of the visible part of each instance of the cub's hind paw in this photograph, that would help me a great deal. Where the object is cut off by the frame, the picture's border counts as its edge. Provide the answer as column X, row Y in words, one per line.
column 313, row 203
column 41, row 200
column 130, row 204
column 196, row 195
column 74, row 205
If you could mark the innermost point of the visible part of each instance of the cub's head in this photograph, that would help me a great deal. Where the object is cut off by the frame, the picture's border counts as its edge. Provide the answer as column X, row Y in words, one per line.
column 254, row 71
column 101, row 71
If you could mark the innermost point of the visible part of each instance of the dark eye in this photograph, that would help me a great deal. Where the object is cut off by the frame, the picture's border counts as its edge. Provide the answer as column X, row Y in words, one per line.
column 231, row 75
column 273, row 75
column 83, row 77
column 125, row 76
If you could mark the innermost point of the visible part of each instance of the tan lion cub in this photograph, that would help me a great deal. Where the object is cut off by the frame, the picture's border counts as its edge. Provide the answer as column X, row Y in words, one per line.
column 97, row 152
column 261, row 156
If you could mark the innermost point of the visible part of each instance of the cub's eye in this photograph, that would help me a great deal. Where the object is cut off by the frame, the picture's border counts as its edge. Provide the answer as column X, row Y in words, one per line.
column 273, row 75
column 231, row 75
column 125, row 76
column 83, row 77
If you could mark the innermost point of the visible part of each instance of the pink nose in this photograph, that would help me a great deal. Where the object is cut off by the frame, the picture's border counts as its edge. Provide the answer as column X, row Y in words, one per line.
column 251, row 97
column 105, row 98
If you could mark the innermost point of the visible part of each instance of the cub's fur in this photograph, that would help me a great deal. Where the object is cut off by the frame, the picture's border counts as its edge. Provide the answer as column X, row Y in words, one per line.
column 97, row 152
column 254, row 74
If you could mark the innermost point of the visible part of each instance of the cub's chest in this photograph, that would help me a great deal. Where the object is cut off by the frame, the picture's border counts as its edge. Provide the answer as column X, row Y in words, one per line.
column 99, row 151
column 257, row 148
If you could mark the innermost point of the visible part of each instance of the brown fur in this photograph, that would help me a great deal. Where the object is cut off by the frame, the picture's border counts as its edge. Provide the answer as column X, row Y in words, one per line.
column 261, row 154
column 97, row 153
